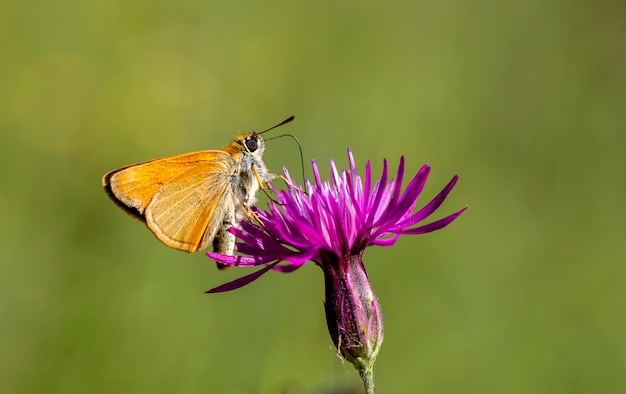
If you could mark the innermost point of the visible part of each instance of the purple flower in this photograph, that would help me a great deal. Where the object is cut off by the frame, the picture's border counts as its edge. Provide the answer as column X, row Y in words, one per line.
column 331, row 223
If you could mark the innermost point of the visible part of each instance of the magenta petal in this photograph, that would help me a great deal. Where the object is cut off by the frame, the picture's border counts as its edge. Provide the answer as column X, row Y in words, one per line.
column 316, row 173
column 429, row 208
column 386, row 241
column 436, row 225
column 413, row 190
column 239, row 261
column 299, row 258
column 285, row 269
column 368, row 183
column 398, row 183
column 241, row 282
column 378, row 191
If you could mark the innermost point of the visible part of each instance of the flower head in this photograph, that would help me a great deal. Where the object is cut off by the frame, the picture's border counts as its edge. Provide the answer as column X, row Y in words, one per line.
column 342, row 216
column 332, row 223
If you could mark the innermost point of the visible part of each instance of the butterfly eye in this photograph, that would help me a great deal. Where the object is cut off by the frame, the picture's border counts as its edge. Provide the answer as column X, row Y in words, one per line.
column 252, row 144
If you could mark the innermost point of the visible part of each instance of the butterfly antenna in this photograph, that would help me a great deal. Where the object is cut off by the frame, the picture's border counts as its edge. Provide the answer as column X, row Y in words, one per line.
column 289, row 119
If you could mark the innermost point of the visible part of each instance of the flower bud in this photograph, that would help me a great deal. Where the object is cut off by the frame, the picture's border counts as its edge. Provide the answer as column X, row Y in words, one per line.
column 353, row 313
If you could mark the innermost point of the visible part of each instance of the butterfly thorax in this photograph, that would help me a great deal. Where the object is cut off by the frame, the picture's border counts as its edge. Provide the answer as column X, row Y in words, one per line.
column 247, row 153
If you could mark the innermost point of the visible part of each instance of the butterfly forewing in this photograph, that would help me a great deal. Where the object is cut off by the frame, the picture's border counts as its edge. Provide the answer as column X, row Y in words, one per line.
column 178, row 197
column 132, row 187
column 187, row 211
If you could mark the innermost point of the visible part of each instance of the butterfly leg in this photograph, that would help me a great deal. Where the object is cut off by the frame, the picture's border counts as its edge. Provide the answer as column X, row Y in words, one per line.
column 289, row 183
column 270, row 187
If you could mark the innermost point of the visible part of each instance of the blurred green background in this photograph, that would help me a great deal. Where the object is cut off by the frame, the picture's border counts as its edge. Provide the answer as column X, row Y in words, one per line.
column 526, row 101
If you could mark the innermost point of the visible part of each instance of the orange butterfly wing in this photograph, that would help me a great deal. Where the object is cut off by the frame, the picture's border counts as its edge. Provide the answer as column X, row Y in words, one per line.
column 181, row 198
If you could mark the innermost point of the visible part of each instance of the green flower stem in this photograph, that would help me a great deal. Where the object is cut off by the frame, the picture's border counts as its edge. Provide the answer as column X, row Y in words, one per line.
column 367, row 376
